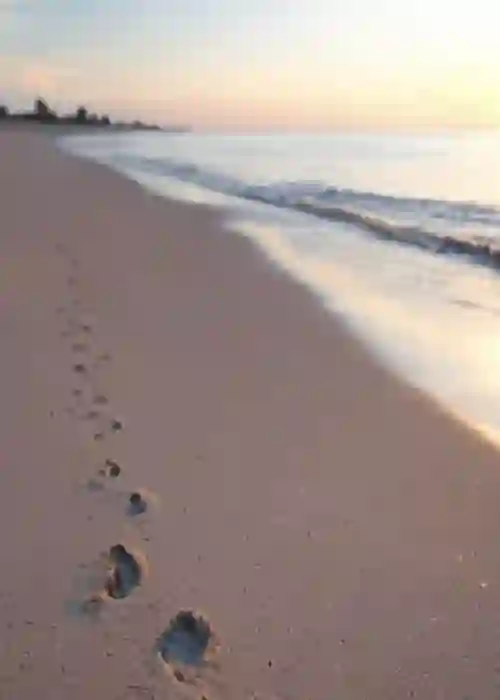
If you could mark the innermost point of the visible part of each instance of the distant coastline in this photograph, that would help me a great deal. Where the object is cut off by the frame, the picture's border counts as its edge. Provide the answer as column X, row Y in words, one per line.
column 42, row 113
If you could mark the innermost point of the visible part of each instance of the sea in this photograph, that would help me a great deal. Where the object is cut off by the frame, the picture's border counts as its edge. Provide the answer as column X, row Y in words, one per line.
column 399, row 234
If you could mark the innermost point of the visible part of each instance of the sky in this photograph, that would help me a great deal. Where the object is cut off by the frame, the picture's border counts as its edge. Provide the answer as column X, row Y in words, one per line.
column 259, row 64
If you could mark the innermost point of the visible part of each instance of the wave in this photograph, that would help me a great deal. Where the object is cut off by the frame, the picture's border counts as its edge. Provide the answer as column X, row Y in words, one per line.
column 485, row 253
column 446, row 229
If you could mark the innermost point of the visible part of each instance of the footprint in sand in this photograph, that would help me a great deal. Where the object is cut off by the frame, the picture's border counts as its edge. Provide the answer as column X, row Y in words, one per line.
column 100, row 400
column 137, row 503
column 114, row 576
column 116, row 425
column 80, row 368
column 126, row 572
column 187, row 645
column 112, row 469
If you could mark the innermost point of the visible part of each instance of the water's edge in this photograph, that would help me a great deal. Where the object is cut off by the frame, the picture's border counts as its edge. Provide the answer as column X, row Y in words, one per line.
column 359, row 311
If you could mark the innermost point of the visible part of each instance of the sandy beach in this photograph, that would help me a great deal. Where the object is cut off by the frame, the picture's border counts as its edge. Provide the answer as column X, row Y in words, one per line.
column 337, row 531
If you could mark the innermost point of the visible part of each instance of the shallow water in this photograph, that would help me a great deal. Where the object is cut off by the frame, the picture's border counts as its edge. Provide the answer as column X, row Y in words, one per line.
column 430, row 312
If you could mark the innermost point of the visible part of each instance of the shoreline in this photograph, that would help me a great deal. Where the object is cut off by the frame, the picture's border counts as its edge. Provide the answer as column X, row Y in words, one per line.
column 335, row 526
column 285, row 261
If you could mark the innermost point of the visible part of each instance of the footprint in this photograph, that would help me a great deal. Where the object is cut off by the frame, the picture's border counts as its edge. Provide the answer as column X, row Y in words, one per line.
column 137, row 503
column 98, row 437
column 116, row 425
column 79, row 347
column 86, row 328
column 100, row 400
column 80, row 368
column 186, row 643
column 126, row 572
column 113, row 469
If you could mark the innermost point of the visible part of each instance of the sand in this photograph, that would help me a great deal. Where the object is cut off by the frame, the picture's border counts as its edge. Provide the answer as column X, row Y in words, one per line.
column 336, row 532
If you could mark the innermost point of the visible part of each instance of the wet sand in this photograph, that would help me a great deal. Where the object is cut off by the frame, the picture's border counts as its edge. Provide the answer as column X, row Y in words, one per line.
column 309, row 526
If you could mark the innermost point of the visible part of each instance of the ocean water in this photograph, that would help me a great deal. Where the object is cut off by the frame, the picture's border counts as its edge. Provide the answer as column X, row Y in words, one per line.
column 399, row 234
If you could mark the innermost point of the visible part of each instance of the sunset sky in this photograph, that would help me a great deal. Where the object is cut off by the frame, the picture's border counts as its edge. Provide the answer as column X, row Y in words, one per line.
column 258, row 64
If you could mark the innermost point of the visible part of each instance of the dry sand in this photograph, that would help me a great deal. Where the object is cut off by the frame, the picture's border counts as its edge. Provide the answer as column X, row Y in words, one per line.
column 339, row 533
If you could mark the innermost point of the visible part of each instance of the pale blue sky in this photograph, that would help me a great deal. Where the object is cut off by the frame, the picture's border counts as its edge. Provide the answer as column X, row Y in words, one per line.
column 259, row 63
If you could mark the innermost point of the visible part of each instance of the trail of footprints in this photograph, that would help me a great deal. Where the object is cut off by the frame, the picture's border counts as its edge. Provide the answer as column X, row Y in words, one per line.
column 188, row 644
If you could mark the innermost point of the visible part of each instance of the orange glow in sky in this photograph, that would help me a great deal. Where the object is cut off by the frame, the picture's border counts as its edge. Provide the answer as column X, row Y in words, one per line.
column 260, row 64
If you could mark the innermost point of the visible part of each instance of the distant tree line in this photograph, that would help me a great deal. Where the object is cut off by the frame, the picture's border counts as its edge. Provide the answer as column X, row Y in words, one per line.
column 43, row 114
